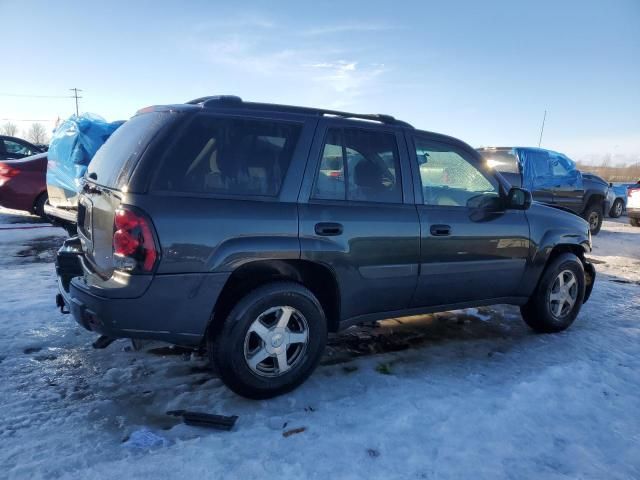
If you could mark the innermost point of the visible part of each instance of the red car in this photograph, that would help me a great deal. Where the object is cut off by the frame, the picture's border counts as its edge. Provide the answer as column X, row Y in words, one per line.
column 23, row 184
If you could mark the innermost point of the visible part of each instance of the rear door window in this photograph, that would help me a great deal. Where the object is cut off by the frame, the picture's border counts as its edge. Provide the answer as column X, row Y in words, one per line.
column 115, row 160
column 372, row 172
column 229, row 157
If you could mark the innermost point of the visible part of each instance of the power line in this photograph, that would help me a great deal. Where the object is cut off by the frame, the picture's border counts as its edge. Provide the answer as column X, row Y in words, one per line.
column 26, row 120
column 33, row 96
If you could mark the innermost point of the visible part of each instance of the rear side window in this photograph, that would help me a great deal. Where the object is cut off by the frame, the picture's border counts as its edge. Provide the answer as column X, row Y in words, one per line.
column 115, row 160
column 359, row 165
column 229, row 156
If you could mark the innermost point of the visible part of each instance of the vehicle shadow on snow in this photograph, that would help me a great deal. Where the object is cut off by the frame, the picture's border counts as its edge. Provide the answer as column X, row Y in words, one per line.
column 37, row 250
column 398, row 334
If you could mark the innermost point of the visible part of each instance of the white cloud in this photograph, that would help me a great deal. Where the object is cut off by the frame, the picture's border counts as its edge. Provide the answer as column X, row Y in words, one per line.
column 347, row 28
column 295, row 64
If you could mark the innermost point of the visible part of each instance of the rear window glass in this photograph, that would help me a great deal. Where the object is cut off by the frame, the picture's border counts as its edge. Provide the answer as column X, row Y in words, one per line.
column 504, row 161
column 114, row 161
column 229, row 156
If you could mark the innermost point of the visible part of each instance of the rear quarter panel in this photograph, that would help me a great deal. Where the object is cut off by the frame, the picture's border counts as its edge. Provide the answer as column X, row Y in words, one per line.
column 217, row 235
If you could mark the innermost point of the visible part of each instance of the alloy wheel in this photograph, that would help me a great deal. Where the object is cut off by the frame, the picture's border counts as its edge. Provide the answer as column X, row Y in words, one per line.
column 618, row 209
column 276, row 341
column 563, row 294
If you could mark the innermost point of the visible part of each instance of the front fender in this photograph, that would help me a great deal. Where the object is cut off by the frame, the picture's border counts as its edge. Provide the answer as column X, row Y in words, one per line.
column 573, row 243
column 552, row 229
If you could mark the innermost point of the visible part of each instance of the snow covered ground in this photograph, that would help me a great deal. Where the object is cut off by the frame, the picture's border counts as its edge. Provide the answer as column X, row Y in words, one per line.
column 466, row 394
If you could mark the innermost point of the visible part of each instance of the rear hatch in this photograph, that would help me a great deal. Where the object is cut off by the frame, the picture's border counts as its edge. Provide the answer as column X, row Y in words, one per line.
column 106, row 186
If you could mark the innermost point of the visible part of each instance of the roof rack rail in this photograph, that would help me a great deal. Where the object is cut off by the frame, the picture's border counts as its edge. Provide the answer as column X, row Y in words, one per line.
column 232, row 100
column 374, row 117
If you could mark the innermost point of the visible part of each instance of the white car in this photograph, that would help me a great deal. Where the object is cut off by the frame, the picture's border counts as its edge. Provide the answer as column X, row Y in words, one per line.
column 633, row 205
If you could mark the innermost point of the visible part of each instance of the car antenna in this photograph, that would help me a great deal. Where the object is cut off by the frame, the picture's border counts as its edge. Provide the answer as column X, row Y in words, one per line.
column 542, row 129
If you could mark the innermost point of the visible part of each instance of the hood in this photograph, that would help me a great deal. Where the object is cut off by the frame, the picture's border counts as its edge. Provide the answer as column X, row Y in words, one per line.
column 556, row 206
column 593, row 182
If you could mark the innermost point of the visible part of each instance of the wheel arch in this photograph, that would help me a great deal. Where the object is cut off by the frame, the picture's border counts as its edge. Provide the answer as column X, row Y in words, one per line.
column 592, row 197
column 317, row 277
column 549, row 254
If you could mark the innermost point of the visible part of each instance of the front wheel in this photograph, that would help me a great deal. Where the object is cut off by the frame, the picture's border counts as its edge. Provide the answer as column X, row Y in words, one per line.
column 557, row 300
column 594, row 215
column 271, row 341
column 616, row 209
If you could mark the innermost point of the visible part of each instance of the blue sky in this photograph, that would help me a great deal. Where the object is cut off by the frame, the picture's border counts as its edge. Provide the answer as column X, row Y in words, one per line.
column 483, row 71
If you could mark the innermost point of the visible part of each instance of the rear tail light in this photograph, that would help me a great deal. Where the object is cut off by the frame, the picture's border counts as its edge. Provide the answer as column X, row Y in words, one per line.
column 134, row 243
column 7, row 172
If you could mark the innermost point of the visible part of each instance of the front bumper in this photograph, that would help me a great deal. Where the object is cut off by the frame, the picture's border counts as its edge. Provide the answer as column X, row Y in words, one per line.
column 174, row 308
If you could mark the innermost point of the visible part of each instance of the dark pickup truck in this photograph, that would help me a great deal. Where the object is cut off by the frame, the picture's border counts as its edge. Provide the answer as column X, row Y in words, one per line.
column 553, row 179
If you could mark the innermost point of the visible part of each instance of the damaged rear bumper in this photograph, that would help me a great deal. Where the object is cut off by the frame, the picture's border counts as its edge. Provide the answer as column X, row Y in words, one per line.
column 174, row 308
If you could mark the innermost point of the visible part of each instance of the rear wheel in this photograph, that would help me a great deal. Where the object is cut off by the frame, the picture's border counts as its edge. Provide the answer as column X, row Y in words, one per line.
column 635, row 222
column 594, row 215
column 616, row 209
column 271, row 341
column 558, row 297
column 38, row 206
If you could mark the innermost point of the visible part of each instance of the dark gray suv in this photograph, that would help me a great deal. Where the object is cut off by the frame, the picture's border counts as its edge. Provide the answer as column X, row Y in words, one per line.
column 256, row 229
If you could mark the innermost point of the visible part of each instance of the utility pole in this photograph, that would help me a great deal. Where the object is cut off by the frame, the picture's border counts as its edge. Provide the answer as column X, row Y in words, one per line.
column 75, row 95
column 542, row 129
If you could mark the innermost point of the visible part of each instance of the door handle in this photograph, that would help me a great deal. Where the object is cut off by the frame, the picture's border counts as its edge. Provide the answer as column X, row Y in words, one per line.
column 440, row 230
column 328, row 229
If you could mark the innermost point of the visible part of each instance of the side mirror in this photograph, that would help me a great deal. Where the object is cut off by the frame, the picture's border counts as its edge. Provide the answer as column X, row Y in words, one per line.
column 518, row 199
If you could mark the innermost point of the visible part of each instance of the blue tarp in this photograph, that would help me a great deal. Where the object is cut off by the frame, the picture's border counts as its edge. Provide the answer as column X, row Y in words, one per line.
column 74, row 143
column 543, row 169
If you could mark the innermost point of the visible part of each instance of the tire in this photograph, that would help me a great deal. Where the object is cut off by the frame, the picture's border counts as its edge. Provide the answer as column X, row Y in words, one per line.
column 541, row 312
column 240, row 340
column 594, row 215
column 635, row 222
column 616, row 208
column 38, row 206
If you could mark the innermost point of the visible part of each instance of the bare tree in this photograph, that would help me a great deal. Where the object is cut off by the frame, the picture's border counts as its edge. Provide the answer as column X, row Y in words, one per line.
column 9, row 129
column 37, row 133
